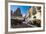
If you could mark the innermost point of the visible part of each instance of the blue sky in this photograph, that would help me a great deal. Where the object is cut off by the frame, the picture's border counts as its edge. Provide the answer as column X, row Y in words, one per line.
column 24, row 9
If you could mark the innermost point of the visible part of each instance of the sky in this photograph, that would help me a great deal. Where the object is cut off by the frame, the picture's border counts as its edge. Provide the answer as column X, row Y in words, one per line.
column 24, row 9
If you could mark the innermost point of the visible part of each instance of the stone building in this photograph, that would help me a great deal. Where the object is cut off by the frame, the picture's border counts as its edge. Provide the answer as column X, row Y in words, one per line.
column 18, row 12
